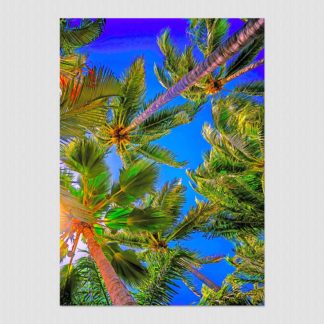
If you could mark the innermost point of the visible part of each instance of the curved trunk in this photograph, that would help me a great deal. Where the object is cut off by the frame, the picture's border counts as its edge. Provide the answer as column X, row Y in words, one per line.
column 118, row 293
column 203, row 278
column 217, row 58
column 241, row 71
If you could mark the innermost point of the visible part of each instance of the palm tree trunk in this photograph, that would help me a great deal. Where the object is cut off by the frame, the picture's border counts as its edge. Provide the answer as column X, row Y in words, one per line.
column 118, row 293
column 241, row 71
column 203, row 278
column 217, row 58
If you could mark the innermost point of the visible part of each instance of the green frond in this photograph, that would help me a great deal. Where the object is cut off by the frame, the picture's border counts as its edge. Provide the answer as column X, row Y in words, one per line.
column 170, row 199
column 208, row 33
column 133, row 90
column 84, row 102
column 126, row 264
column 193, row 221
column 170, row 52
column 164, row 120
column 137, row 219
column 84, row 156
column 163, row 77
column 73, row 38
column 134, row 182
column 225, row 296
column 66, row 178
column 128, row 238
column 159, row 154
column 163, row 270
column 246, row 56
column 83, row 285
column 252, row 88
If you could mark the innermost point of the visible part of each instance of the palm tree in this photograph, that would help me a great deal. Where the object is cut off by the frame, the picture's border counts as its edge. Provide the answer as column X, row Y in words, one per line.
column 207, row 35
column 90, row 204
column 129, row 104
column 166, row 263
column 251, row 30
column 232, row 174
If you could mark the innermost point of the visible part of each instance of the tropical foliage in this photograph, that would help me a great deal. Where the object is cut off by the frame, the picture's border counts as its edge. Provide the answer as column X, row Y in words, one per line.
column 122, row 236
column 232, row 174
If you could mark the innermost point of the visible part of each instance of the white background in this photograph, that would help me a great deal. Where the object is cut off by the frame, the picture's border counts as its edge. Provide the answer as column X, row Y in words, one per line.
column 29, row 158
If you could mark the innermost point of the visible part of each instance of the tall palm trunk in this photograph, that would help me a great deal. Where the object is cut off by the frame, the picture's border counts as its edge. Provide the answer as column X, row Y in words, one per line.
column 217, row 58
column 203, row 278
column 118, row 293
column 241, row 71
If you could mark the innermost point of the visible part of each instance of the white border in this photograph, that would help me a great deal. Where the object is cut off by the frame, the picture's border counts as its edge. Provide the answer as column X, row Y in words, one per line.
column 30, row 158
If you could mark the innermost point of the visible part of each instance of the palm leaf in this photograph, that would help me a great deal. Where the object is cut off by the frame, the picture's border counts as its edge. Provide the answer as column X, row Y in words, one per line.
column 125, row 263
column 73, row 38
column 84, row 156
column 245, row 57
column 252, row 88
column 170, row 199
column 136, row 219
column 84, row 104
column 133, row 90
column 83, row 285
column 160, row 286
column 193, row 221
column 159, row 154
column 134, row 182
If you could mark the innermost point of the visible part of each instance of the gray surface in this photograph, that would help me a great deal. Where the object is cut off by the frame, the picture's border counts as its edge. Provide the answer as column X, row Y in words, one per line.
column 30, row 158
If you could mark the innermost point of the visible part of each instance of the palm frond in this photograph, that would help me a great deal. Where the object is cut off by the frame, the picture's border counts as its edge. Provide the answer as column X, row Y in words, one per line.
column 128, row 238
column 84, row 156
column 163, row 271
column 208, row 33
column 73, row 38
column 170, row 199
column 224, row 296
column 193, row 221
column 252, row 88
column 136, row 219
column 125, row 263
column 134, row 182
column 84, row 102
column 159, row 154
column 163, row 77
column 83, row 285
column 133, row 90
column 246, row 56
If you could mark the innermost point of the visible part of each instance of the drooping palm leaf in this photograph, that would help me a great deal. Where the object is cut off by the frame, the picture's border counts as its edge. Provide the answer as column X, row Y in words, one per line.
column 72, row 38
column 195, row 218
column 84, row 102
column 246, row 56
column 83, row 284
column 84, row 156
column 125, row 263
column 136, row 219
column 134, row 182
column 160, row 154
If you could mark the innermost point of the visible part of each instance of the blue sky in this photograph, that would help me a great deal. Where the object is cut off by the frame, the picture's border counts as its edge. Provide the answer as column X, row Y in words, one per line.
column 122, row 41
